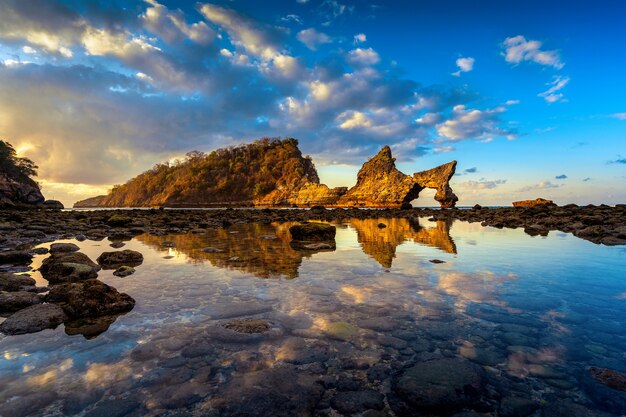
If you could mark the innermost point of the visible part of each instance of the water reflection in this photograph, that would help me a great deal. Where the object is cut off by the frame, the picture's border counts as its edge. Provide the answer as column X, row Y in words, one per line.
column 533, row 312
column 264, row 251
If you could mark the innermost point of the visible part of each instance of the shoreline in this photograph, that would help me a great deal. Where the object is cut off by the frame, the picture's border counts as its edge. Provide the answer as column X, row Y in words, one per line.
column 22, row 230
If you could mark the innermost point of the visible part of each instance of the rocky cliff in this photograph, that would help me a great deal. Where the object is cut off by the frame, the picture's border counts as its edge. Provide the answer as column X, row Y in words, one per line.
column 19, row 191
column 381, row 184
column 270, row 173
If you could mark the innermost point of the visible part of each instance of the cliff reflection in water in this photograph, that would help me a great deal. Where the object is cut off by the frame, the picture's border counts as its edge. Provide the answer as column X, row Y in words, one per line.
column 381, row 242
column 264, row 251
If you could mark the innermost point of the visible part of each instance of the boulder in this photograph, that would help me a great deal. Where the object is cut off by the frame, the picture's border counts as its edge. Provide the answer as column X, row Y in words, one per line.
column 533, row 203
column 53, row 205
column 444, row 384
column 90, row 298
column 313, row 232
column 313, row 236
column 15, row 257
column 33, row 319
column 17, row 190
column 124, row 271
column 126, row 257
column 14, row 301
column 68, row 267
column 13, row 282
column 63, row 248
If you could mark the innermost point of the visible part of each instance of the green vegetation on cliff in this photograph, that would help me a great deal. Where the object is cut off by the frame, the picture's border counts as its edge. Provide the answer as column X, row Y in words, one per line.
column 236, row 175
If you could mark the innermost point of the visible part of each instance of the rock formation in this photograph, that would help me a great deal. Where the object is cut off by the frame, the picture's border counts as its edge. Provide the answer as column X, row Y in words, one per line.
column 19, row 191
column 533, row 203
column 270, row 173
column 381, row 184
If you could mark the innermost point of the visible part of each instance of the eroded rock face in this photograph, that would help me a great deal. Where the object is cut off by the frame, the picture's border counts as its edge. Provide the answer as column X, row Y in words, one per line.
column 533, row 203
column 439, row 179
column 90, row 298
column 380, row 184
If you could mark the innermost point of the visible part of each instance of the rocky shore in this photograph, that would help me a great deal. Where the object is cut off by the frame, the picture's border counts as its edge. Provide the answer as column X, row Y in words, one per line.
column 21, row 230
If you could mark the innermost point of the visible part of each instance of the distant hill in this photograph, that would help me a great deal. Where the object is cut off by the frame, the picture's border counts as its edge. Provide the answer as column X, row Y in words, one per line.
column 266, row 172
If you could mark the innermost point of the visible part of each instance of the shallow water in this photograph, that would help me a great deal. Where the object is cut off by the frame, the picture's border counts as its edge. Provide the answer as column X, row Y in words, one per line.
column 533, row 311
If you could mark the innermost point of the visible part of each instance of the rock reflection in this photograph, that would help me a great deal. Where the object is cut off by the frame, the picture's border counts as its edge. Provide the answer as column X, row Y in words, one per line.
column 381, row 242
column 260, row 249
column 90, row 327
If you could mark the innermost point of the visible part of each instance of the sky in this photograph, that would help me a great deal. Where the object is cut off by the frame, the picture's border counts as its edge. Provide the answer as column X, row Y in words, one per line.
column 530, row 98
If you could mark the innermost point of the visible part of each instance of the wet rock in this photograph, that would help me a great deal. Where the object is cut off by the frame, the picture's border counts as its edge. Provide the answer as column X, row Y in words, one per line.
column 351, row 402
column 113, row 260
column 341, row 330
column 14, row 301
column 90, row 298
column 33, row 319
column 117, row 245
column 381, row 225
column 440, row 384
column 115, row 408
column 609, row 377
column 68, row 267
column 63, row 248
column 315, row 232
column 119, row 220
column 14, row 282
column 437, row 261
column 248, row 326
column 606, row 387
column 517, row 407
column 40, row 251
column 168, row 244
column 211, row 250
column 566, row 408
column 124, row 271
column 280, row 391
column 15, row 257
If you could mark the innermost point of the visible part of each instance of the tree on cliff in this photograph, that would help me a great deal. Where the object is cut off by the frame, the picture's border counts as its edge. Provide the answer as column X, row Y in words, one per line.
column 11, row 164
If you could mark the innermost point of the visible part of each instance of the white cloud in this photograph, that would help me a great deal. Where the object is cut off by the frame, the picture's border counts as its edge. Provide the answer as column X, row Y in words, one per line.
column 619, row 116
column 312, row 38
column 444, row 149
column 465, row 64
column 360, row 38
column 319, row 90
column 429, row 119
column 172, row 26
column 363, row 56
column 518, row 49
column 473, row 124
column 511, row 102
column 482, row 184
column 353, row 119
column 552, row 95
column 543, row 185
column 29, row 50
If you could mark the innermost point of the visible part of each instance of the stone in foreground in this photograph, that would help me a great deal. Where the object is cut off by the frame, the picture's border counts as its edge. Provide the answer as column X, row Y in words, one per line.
column 247, row 326
column 113, row 260
column 90, row 298
column 14, row 282
column 33, row 319
column 14, row 301
column 68, row 267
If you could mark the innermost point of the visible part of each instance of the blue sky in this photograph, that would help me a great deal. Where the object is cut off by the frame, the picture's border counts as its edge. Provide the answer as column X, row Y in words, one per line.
column 530, row 99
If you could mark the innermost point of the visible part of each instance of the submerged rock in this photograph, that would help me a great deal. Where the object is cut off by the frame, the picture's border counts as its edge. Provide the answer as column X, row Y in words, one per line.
column 113, row 260
column 124, row 271
column 68, row 267
column 609, row 377
column 33, row 319
column 90, row 298
column 248, row 326
column 440, row 384
column 351, row 402
column 14, row 301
